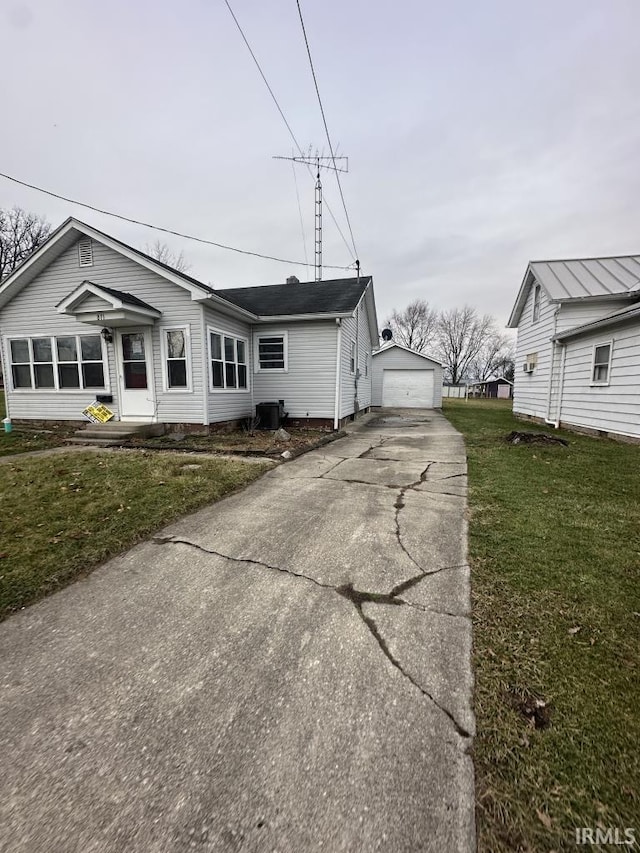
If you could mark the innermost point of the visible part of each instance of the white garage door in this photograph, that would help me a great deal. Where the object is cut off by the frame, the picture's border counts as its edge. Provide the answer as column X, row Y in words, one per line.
column 408, row 388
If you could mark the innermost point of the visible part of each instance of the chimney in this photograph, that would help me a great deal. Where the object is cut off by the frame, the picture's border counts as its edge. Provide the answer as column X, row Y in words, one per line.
column 293, row 279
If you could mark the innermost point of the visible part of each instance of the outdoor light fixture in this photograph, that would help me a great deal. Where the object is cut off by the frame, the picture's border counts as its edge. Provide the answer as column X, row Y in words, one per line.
column 107, row 336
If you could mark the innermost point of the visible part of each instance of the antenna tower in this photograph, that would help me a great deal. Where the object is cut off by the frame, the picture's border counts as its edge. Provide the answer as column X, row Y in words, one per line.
column 318, row 162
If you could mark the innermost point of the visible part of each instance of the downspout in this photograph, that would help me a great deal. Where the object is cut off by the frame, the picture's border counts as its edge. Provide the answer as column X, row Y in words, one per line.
column 336, row 410
column 553, row 364
column 205, row 366
column 561, row 385
column 3, row 363
column 356, row 401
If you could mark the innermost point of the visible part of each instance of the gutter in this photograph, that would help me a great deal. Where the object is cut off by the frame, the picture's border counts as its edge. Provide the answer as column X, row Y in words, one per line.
column 553, row 364
column 336, row 407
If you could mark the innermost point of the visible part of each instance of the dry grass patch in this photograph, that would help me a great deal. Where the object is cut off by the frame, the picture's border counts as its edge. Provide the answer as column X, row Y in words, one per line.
column 62, row 515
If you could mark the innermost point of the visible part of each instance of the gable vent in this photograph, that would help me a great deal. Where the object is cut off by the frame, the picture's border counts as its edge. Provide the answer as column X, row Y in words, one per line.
column 85, row 253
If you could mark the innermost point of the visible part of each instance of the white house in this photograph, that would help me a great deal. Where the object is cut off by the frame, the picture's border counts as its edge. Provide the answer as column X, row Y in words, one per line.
column 88, row 318
column 406, row 378
column 578, row 346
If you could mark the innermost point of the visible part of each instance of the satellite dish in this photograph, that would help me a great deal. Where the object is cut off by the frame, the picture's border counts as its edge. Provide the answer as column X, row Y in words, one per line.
column 387, row 335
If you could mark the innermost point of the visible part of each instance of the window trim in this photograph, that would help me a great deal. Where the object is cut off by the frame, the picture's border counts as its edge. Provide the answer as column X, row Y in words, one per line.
column 537, row 294
column 164, row 354
column 80, row 389
column 215, row 331
column 599, row 383
column 276, row 333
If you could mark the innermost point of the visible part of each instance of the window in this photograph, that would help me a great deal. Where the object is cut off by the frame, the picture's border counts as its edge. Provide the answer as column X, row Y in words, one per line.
column 601, row 364
column 175, row 353
column 70, row 361
column 271, row 352
column 85, row 253
column 352, row 358
column 228, row 359
column 536, row 303
column 366, row 364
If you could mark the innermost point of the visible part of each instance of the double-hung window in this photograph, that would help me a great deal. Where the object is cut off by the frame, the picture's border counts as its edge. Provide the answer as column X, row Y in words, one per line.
column 61, row 363
column 601, row 364
column 228, row 362
column 536, row 303
column 175, row 354
column 271, row 351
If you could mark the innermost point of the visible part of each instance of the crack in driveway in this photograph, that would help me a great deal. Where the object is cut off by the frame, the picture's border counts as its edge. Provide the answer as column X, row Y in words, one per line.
column 356, row 597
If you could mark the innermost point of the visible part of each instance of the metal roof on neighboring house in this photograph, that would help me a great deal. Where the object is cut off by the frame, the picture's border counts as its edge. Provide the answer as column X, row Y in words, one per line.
column 333, row 297
column 586, row 278
column 576, row 279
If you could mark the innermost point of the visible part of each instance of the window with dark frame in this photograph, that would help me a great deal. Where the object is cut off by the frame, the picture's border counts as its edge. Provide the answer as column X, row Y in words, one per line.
column 271, row 352
column 601, row 364
column 228, row 357
column 352, row 360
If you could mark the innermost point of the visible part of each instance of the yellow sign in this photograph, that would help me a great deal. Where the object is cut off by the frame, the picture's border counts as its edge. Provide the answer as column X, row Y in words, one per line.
column 97, row 413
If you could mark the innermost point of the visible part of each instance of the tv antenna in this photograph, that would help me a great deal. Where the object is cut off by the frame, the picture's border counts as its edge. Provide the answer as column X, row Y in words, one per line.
column 319, row 161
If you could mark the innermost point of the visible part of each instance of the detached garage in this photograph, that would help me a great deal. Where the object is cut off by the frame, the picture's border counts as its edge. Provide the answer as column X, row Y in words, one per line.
column 404, row 378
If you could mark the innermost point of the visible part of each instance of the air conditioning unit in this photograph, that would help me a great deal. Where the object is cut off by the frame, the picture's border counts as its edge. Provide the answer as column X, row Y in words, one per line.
column 529, row 366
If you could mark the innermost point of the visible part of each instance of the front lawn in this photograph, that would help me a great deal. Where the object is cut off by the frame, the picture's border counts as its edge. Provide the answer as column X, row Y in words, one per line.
column 62, row 515
column 555, row 552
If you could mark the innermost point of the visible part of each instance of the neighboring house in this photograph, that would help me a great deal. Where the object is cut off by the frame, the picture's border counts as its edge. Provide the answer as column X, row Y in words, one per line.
column 500, row 389
column 406, row 378
column 578, row 348
column 88, row 317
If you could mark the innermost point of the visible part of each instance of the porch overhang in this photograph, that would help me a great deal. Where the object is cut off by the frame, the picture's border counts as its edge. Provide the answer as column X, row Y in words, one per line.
column 98, row 305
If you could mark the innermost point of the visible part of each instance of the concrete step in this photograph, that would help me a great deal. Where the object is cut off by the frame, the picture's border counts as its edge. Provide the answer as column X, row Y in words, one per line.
column 119, row 430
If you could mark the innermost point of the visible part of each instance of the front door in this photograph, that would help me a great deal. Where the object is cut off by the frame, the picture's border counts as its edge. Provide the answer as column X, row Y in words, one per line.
column 135, row 375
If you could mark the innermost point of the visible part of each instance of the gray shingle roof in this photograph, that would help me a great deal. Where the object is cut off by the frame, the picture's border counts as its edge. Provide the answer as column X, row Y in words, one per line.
column 127, row 298
column 335, row 296
column 590, row 277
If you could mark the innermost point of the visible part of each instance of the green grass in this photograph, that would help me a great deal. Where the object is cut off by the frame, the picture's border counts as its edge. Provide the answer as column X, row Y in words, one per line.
column 555, row 552
column 62, row 515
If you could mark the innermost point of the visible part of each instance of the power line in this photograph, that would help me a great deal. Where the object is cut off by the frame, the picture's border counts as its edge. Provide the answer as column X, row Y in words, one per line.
column 288, row 126
column 160, row 228
column 326, row 128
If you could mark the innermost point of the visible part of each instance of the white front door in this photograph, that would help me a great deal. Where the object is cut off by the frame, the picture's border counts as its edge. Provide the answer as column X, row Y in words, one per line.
column 135, row 375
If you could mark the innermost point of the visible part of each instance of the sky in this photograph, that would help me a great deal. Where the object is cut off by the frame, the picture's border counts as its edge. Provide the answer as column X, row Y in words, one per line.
column 480, row 135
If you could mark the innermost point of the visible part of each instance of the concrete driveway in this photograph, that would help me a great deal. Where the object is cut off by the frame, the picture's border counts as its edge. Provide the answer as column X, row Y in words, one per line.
column 286, row 670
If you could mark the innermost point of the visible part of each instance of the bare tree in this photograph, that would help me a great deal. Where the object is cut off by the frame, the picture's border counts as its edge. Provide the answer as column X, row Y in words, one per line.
column 494, row 356
column 416, row 326
column 161, row 252
column 21, row 233
column 462, row 334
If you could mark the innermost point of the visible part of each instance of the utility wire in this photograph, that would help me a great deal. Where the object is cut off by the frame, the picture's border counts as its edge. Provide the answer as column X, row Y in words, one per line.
column 326, row 128
column 164, row 230
column 288, row 126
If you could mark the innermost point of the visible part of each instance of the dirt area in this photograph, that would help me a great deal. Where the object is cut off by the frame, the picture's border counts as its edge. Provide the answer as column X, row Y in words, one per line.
column 517, row 437
column 257, row 443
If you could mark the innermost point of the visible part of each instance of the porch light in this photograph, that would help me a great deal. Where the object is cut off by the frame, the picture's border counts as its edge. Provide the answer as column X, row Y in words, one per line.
column 107, row 336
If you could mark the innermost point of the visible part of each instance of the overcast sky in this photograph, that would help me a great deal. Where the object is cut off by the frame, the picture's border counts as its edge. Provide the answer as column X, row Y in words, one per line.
column 480, row 135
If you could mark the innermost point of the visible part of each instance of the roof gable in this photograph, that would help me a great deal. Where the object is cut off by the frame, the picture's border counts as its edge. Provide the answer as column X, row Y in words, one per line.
column 70, row 232
column 391, row 344
column 587, row 278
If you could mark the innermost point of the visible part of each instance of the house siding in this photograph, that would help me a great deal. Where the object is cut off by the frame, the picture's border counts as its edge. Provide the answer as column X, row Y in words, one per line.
column 308, row 386
column 33, row 312
column 396, row 358
column 614, row 408
column 531, row 390
column 227, row 405
column 355, row 328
